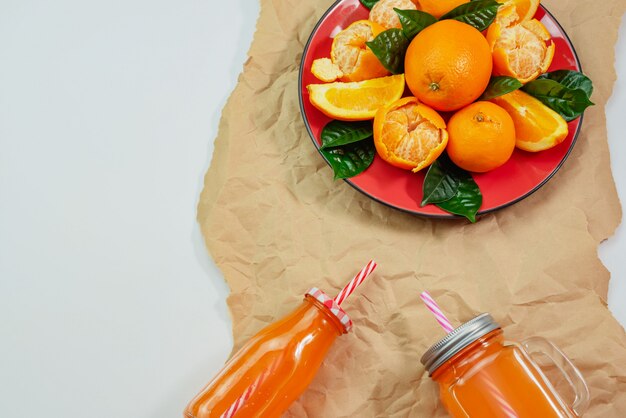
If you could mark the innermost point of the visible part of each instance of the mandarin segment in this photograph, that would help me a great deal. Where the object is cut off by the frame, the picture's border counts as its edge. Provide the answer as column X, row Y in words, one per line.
column 482, row 137
column 537, row 127
column 356, row 100
column 448, row 65
column 409, row 135
column 383, row 13
column 351, row 54
column 325, row 70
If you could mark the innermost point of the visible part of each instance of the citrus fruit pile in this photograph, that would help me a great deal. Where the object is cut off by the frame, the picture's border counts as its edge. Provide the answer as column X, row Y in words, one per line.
column 475, row 84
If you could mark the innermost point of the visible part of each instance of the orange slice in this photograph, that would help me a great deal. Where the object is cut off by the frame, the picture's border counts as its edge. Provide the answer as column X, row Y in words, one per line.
column 409, row 134
column 383, row 13
column 353, row 57
column 520, row 50
column 356, row 100
column 537, row 127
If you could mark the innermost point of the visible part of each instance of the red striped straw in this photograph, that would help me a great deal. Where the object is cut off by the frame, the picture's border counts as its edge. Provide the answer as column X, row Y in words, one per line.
column 355, row 282
column 236, row 406
column 434, row 308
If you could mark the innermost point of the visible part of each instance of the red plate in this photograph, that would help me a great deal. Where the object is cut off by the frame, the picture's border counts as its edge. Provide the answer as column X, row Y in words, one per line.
column 522, row 175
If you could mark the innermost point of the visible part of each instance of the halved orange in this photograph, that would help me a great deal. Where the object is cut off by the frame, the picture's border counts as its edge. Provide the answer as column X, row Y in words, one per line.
column 353, row 57
column 520, row 50
column 356, row 100
column 537, row 127
column 409, row 134
column 383, row 13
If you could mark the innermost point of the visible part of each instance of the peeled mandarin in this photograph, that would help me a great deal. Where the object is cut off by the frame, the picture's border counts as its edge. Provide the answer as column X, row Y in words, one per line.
column 409, row 134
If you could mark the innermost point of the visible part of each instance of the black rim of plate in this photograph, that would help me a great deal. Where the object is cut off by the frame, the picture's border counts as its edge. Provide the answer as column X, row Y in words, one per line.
column 430, row 215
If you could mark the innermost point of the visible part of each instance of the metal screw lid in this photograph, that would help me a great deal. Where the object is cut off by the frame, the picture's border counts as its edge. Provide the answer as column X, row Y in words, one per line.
column 457, row 340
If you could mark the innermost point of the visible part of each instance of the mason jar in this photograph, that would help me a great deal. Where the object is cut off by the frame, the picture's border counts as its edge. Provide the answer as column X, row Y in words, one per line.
column 482, row 376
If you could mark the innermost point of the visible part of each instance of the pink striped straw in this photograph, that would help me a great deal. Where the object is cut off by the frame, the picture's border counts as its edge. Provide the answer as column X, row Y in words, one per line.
column 236, row 406
column 355, row 282
column 434, row 308
column 499, row 397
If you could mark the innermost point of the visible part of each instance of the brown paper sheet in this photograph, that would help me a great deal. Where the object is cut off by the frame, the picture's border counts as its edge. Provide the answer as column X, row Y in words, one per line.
column 276, row 224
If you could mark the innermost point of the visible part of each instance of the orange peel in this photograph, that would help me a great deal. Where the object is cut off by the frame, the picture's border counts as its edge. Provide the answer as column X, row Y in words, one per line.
column 523, row 10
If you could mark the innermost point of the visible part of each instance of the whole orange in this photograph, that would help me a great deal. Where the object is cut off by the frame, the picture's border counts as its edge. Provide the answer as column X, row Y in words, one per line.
column 481, row 137
column 438, row 8
column 448, row 65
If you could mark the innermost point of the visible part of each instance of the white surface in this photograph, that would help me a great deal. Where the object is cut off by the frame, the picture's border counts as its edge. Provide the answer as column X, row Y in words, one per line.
column 612, row 252
column 109, row 304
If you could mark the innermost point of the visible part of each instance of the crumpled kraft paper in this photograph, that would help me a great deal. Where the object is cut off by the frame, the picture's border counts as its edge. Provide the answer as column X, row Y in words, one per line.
column 276, row 224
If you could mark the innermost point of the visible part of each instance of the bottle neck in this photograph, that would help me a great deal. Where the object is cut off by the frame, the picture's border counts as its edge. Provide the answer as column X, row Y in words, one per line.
column 337, row 325
column 484, row 346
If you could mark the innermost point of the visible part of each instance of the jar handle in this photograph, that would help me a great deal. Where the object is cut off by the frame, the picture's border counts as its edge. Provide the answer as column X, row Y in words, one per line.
column 538, row 345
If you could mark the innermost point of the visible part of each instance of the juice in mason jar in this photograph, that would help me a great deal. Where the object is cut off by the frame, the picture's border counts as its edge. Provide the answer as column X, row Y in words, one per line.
column 479, row 375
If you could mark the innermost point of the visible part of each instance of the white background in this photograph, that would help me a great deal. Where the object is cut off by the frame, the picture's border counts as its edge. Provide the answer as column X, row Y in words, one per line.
column 110, row 306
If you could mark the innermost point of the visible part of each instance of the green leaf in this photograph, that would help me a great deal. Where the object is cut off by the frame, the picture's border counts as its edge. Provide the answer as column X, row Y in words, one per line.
column 467, row 200
column 390, row 47
column 571, row 79
column 337, row 133
column 452, row 189
column 350, row 160
column 479, row 14
column 440, row 183
column 569, row 103
column 499, row 86
column 369, row 3
column 413, row 21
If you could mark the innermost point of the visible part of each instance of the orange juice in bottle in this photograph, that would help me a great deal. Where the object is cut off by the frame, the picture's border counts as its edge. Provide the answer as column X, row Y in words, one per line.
column 276, row 365
column 479, row 375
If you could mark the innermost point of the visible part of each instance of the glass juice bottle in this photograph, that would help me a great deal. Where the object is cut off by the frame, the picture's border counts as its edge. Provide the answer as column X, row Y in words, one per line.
column 276, row 365
column 481, row 376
